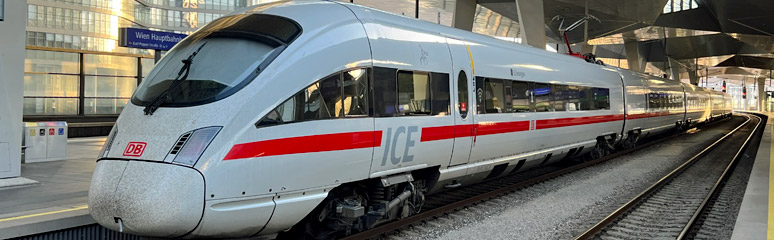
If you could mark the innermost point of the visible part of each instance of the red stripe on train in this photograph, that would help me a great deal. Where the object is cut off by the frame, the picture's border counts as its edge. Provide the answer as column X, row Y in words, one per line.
column 487, row 128
column 306, row 144
column 446, row 132
column 650, row 115
column 566, row 122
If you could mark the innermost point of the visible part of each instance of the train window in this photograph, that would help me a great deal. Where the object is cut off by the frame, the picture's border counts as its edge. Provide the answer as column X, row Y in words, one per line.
column 560, row 96
column 494, row 95
column 508, row 101
column 440, row 93
column 330, row 90
column 355, row 92
column 384, row 92
column 462, row 94
column 542, row 95
column 313, row 106
column 585, row 99
column 413, row 93
column 479, row 93
column 574, row 100
column 251, row 42
column 290, row 110
column 651, row 100
column 520, row 96
column 602, row 98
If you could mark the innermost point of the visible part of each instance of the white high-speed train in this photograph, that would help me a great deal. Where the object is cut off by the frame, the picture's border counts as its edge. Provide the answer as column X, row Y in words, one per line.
column 320, row 118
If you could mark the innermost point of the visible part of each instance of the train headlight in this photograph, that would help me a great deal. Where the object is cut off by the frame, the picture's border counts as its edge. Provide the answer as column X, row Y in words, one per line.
column 106, row 148
column 195, row 145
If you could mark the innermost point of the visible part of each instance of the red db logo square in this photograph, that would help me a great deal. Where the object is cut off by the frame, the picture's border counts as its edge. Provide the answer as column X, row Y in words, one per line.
column 135, row 149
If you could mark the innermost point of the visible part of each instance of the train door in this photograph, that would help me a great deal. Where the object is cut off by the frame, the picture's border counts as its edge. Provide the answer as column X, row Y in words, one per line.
column 464, row 121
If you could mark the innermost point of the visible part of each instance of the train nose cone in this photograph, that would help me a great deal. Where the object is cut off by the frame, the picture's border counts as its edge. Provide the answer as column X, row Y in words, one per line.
column 146, row 198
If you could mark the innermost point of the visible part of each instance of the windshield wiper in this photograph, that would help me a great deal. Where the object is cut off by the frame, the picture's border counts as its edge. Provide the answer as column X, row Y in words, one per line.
column 161, row 98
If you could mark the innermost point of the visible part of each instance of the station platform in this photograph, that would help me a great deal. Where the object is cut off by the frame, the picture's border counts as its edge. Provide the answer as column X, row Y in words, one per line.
column 755, row 219
column 59, row 198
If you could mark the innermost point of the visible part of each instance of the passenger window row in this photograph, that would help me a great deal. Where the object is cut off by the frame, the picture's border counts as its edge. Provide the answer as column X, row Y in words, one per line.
column 346, row 95
column 509, row 96
column 662, row 100
column 343, row 94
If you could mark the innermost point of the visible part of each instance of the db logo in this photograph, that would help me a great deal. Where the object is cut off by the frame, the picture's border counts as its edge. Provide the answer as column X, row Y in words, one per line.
column 135, row 149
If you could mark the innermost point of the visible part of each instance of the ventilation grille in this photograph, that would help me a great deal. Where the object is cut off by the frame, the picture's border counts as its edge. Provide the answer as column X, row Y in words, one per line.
column 111, row 137
column 180, row 143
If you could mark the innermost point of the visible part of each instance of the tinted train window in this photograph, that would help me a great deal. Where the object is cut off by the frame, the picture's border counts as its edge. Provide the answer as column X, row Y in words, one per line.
column 508, row 97
column 602, row 98
column 462, row 94
column 413, row 93
column 574, row 99
column 494, row 100
column 330, row 90
column 323, row 100
column 440, row 94
column 585, row 100
column 520, row 96
column 542, row 95
column 384, row 92
column 355, row 92
column 560, row 96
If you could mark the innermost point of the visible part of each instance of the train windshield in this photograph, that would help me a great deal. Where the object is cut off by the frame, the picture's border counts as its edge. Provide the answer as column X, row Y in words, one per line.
column 216, row 61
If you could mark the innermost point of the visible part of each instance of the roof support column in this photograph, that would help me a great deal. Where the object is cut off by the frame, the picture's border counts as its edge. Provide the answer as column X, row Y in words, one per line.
column 762, row 94
column 634, row 56
column 588, row 48
column 674, row 69
column 464, row 13
column 693, row 76
column 532, row 28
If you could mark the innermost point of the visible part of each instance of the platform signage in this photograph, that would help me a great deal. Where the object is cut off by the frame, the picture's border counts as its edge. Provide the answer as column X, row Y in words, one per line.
column 61, row 131
column 148, row 39
column 50, row 131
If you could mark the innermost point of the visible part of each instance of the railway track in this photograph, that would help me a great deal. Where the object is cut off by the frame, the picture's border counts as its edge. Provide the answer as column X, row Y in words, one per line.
column 439, row 204
column 677, row 205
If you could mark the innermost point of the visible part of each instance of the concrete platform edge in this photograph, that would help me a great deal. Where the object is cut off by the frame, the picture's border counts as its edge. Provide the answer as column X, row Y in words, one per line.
column 752, row 221
column 48, row 224
column 7, row 183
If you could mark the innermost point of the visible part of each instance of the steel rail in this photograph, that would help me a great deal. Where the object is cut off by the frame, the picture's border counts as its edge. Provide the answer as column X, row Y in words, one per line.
column 377, row 231
column 588, row 234
column 719, row 183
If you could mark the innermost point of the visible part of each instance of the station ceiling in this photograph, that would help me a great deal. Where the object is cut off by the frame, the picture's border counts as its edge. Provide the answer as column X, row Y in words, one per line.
column 717, row 34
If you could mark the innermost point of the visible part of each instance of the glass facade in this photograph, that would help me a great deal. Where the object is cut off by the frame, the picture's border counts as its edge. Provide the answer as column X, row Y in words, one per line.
column 74, row 67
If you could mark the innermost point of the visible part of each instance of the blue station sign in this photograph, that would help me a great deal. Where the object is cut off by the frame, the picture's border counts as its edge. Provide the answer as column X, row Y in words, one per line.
column 148, row 39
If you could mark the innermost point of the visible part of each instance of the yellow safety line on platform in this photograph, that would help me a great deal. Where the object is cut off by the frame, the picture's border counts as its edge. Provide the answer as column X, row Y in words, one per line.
column 45, row 213
column 770, row 223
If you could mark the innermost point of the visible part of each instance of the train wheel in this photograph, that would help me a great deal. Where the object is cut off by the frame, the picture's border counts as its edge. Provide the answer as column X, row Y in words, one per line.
column 631, row 140
column 604, row 147
column 312, row 226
